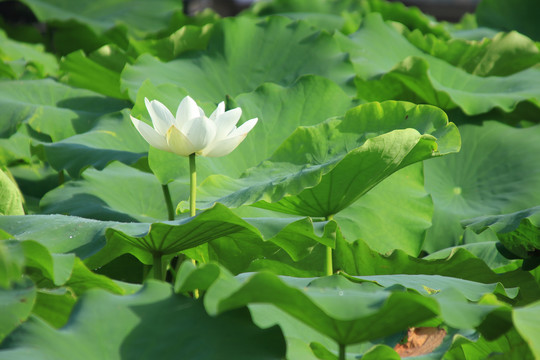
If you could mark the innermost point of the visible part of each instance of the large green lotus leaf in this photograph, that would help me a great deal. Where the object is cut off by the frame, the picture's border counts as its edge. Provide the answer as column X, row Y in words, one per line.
column 15, row 148
column 54, row 305
column 518, row 15
column 11, row 261
column 519, row 232
column 82, row 280
column 169, row 238
column 135, row 327
column 187, row 38
column 455, row 308
column 139, row 17
column 338, row 309
column 454, row 297
column 32, row 58
column 51, row 108
column 99, row 242
column 322, row 169
column 410, row 74
column 56, row 267
column 293, row 244
column 505, row 54
column 10, row 196
column 411, row 17
column 118, row 192
column 85, row 72
column 430, row 284
column 400, row 197
column 508, row 346
column 280, row 263
column 280, row 110
column 487, row 251
column 242, row 54
column 527, row 323
column 58, row 233
column 112, row 138
column 415, row 79
column 16, row 303
column 358, row 259
column 488, row 177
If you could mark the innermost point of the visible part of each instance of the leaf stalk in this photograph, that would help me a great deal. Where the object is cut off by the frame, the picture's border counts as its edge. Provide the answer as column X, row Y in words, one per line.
column 328, row 265
column 168, row 201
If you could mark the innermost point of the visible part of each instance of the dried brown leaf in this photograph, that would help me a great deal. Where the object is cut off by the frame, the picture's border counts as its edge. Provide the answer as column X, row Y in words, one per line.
column 420, row 341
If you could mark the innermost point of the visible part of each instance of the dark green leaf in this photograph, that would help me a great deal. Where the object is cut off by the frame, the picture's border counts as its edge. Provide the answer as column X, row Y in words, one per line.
column 112, row 138
column 142, row 326
column 16, row 303
column 51, row 108
column 518, row 15
column 519, row 232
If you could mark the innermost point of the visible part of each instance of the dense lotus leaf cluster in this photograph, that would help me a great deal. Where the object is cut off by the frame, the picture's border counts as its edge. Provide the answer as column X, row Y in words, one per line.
column 395, row 152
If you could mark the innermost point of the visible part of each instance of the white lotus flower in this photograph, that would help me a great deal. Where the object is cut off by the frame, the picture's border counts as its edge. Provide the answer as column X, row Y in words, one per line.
column 191, row 132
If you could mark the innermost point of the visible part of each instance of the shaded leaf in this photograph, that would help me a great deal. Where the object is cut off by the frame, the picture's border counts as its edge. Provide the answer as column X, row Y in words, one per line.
column 23, row 60
column 358, row 259
column 432, row 284
column 505, row 54
column 140, row 18
column 518, row 15
column 509, row 346
column 51, row 108
column 112, row 138
column 527, row 322
column 55, row 267
column 228, row 66
column 409, row 74
column 140, row 322
column 12, row 261
column 16, row 303
column 346, row 315
column 519, row 232
column 118, row 192
column 169, row 238
column 85, row 72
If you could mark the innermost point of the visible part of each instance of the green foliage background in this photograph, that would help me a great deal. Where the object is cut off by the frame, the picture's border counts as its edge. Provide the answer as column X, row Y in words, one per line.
column 407, row 146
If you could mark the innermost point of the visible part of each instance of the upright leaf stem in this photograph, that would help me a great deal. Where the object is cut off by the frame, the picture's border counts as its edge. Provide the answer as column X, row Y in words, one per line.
column 168, row 201
column 61, row 177
column 328, row 266
column 157, row 266
column 341, row 352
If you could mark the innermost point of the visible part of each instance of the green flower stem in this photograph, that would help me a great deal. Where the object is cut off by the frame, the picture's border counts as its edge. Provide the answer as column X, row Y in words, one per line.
column 192, row 185
column 168, row 201
column 341, row 352
column 193, row 200
column 328, row 266
column 158, row 266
